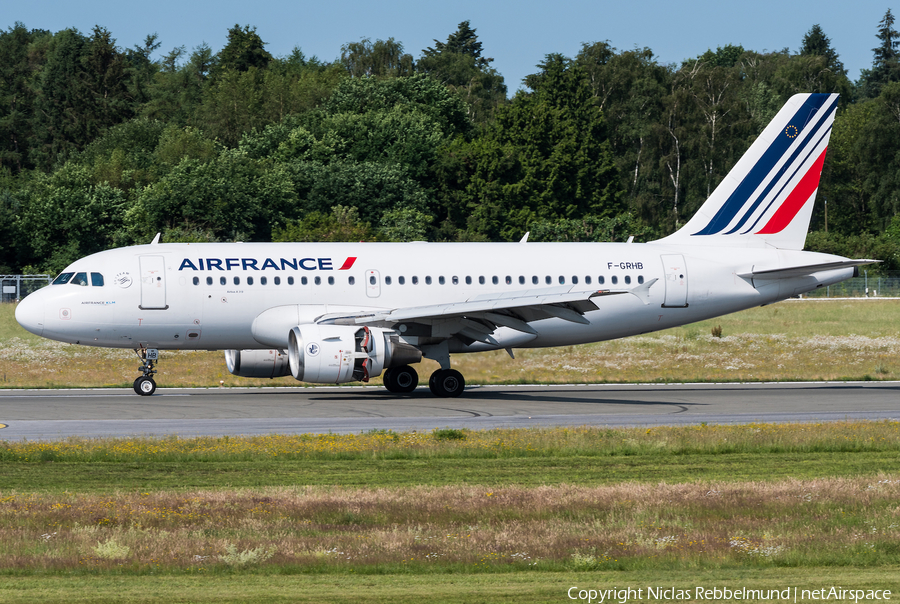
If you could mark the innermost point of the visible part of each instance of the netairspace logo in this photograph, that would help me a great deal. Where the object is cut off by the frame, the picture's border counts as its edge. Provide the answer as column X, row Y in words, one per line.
column 724, row 594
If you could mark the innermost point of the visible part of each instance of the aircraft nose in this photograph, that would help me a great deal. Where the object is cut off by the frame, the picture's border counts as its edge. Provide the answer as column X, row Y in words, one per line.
column 30, row 314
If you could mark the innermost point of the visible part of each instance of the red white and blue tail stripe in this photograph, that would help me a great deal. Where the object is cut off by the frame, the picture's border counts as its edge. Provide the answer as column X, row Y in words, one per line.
column 767, row 198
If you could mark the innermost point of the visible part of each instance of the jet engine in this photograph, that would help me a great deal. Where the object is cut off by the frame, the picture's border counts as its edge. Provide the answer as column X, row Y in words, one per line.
column 335, row 354
column 257, row 363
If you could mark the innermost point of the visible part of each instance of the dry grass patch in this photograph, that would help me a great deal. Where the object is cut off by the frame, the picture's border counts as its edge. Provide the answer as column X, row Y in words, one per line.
column 627, row 526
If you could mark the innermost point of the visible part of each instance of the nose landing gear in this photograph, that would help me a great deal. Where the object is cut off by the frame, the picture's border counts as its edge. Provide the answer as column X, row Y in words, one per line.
column 145, row 385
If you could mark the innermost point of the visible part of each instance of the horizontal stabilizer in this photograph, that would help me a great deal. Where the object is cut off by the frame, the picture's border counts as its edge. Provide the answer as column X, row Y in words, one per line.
column 801, row 271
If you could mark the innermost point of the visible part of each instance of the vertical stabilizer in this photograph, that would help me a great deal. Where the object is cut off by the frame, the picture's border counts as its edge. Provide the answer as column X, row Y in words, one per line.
column 766, row 200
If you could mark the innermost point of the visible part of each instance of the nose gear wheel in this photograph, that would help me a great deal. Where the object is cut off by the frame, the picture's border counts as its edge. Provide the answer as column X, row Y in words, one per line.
column 145, row 385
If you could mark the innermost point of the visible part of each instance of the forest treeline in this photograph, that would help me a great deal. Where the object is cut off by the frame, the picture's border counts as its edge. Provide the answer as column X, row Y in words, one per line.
column 102, row 146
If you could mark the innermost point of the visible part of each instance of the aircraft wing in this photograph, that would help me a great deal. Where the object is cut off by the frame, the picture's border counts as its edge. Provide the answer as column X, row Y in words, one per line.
column 478, row 317
column 801, row 271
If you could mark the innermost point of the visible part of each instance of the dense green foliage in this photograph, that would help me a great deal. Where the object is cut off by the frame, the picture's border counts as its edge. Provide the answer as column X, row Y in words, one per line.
column 102, row 146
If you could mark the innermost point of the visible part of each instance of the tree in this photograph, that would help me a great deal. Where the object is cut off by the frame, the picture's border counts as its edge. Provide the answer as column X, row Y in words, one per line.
column 141, row 68
column 886, row 66
column 232, row 106
column 63, row 217
column 630, row 88
column 177, row 91
column 545, row 157
column 17, row 68
column 463, row 41
column 384, row 58
column 82, row 90
column 816, row 43
column 244, row 50
column 232, row 197
column 458, row 64
column 341, row 224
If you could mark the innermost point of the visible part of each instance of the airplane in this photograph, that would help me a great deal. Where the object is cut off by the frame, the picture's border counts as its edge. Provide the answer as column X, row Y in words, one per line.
column 332, row 313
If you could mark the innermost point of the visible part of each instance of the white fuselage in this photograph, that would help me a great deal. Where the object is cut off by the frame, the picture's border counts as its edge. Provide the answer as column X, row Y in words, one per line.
column 200, row 296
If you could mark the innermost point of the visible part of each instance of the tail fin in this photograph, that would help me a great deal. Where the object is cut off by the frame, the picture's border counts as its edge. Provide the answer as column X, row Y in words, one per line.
column 767, row 198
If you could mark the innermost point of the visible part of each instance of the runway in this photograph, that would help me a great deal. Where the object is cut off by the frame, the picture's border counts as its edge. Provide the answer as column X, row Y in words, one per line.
column 53, row 414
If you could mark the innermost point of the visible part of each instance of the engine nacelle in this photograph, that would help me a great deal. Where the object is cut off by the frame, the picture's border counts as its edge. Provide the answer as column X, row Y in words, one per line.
column 257, row 363
column 336, row 354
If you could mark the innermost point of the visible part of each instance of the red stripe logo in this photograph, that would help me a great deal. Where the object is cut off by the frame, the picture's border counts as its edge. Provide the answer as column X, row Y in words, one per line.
column 348, row 263
column 795, row 201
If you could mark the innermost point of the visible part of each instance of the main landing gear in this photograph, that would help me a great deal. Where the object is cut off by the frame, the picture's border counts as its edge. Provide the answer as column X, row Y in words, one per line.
column 444, row 383
column 145, row 385
column 403, row 379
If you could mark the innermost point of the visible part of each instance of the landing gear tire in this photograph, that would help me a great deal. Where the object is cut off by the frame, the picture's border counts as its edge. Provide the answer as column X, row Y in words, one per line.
column 145, row 386
column 402, row 379
column 446, row 383
column 389, row 382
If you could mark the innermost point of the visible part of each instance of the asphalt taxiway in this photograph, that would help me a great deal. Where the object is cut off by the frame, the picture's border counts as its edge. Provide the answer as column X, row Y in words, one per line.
column 52, row 414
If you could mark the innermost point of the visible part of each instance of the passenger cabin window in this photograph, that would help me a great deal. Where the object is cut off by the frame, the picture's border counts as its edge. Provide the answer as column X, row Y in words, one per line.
column 640, row 278
column 387, row 280
column 209, row 281
column 427, row 280
column 96, row 279
column 196, row 280
column 249, row 280
column 468, row 280
column 290, row 280
column 415, row 280
column 615, row 280
column 587, row 280
column 304, row 281
column 318, row 280
column 237, row 280
column 627, row 279
column 222, row 280
column 441, row 280
column 574, row 280
column 262, row 280
column 495, row 280
column 401, row 280
column 508, row 280
column 535, row 280
column 455, row 280
column 601, row 280
column 548, row 279
column 63, row 278
column 80, row 279
column 330, row 280
column 277, row 280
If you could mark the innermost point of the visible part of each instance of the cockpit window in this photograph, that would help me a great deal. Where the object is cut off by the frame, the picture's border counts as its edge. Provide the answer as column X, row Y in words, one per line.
column 96, row 279
column 79, row 279
column 62, row 278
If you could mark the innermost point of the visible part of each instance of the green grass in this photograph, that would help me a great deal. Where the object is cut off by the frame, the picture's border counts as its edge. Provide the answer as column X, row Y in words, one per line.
column 533, row 471
column 519, row 588
column 452, row 457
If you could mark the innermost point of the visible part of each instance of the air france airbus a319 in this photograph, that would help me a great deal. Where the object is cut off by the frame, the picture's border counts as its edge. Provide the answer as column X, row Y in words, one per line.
column 331, row 313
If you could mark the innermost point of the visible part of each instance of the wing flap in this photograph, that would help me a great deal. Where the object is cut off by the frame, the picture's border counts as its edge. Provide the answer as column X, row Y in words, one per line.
column 802, row 271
